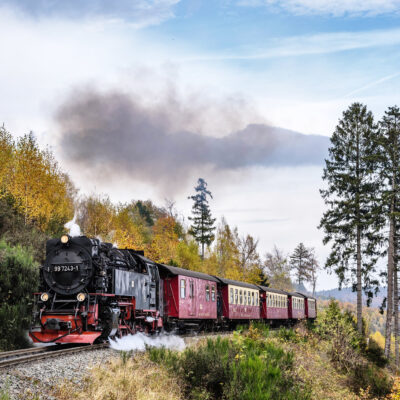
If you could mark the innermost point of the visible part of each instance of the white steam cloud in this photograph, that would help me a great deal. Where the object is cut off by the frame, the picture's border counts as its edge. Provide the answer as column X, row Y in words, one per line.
column 73, row 228
column 139, row 342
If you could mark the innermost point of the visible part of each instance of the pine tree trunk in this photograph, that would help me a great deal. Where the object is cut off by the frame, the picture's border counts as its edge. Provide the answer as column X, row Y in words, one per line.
column 396, row 313
column 389, row 306
column 202, row 250
column 359, row 283
column 359, row 276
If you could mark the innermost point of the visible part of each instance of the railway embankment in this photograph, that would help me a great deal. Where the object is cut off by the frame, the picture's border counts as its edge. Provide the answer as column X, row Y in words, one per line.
column 325, row 361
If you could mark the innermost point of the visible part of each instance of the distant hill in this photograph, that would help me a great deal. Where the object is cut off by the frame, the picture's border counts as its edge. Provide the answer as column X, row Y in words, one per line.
column 347, row 295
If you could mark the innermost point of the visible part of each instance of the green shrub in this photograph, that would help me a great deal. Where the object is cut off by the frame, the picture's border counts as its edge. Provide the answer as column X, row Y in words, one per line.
column 349, row 351
column 246, row 367
column 369, row 376
column 287, row 334
column 18, row 280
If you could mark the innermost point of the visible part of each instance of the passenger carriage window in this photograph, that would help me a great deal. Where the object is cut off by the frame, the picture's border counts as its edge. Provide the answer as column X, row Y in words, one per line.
column 183, row 288
column 213, row 293
column 252, row 298
column 231, row 297
column 241, row 296
column 191, row 288
column 257, row 301
column 249, row 298
column 244, row 297
column 207, row 293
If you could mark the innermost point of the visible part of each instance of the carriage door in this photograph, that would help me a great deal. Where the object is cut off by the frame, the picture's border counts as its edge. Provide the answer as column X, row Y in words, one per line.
column 192, row 298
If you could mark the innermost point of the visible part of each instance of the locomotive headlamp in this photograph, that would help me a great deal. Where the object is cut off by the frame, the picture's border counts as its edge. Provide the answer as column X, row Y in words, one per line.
column 64, row 239
column 81, row 297
column 44, row 296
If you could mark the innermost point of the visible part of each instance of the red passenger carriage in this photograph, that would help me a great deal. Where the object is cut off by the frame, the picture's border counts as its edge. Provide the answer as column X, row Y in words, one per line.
column 274, row 304
column 297, row 306
column 189, row 295
column 311, row 307
column 240, row 300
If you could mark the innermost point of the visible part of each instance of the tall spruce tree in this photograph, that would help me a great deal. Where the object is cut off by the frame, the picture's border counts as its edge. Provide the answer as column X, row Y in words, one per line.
column 202, row 227
column 353, row 220
column 301, row 261
column 389, row 150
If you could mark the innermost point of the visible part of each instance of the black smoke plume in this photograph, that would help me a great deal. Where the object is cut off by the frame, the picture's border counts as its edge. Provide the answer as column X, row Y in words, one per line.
column 113, row 133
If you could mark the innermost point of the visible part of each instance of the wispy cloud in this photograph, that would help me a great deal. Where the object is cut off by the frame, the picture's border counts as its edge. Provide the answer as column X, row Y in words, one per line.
column 322, row 43
column 372, row 84
column 336, row 8
column 139, row 13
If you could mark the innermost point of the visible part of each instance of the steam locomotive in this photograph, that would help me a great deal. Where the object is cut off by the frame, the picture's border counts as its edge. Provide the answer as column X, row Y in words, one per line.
column 90, row 291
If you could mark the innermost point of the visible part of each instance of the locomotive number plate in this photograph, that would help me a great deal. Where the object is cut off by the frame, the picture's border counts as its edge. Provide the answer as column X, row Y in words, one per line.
column 65, row 268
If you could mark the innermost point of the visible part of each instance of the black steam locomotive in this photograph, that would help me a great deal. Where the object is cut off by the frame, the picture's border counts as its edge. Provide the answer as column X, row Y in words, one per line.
column 90, row 290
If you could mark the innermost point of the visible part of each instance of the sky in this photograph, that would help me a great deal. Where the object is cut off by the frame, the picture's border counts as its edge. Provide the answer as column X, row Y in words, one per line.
column 140, row 98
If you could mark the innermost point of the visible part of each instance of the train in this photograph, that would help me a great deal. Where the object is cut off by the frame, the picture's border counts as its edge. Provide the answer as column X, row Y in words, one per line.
column 90, row 291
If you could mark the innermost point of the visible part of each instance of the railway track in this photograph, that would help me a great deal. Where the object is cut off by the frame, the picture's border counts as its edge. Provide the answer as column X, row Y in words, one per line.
column 15, row 357
column 11, row 358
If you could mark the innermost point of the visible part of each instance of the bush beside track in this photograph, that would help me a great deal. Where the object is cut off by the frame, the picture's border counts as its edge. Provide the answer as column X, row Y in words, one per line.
column 18, row 279
column 327, row 360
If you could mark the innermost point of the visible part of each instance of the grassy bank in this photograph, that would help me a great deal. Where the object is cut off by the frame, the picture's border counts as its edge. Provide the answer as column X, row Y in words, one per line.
column 328, row 360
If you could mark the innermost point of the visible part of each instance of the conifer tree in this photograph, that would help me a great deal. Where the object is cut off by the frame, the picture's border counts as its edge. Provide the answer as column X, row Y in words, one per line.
column 202, row 227
column 353, row 220
column 388, row 145
column 301, row 261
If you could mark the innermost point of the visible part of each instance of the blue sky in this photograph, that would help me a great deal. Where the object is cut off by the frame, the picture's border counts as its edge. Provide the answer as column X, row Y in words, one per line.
column 212, row 68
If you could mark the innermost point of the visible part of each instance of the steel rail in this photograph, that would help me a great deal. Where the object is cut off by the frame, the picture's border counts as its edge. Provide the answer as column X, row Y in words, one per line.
column 28, row 355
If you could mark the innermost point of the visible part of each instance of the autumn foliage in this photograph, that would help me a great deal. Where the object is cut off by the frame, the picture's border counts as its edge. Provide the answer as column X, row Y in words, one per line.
column 32, row 181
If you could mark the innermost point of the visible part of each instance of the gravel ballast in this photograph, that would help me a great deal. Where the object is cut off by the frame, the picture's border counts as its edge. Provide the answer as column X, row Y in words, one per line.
column 35, row 380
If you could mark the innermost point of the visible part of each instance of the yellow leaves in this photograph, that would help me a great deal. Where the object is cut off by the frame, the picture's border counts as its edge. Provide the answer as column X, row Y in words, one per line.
column 41, row 192
column 395, row 395
column 187, row 256
column 379, row 339
column 163, row 247
column 96, row 216
column 127, row 234
column 6, row 155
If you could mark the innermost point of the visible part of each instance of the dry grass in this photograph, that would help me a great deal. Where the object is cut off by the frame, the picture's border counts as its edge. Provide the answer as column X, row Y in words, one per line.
column 313, row 366
column 124, row 378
